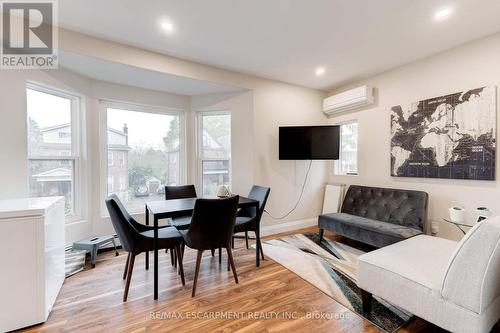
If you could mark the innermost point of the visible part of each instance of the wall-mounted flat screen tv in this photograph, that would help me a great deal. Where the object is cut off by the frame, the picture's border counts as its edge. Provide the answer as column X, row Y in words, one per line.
column 309, row 143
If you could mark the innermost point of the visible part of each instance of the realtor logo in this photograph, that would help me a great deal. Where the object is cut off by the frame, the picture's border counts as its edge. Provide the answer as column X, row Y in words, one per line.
column 29, row 35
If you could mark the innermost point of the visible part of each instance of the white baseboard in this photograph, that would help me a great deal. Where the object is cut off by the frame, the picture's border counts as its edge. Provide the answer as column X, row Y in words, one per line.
column 288, row 226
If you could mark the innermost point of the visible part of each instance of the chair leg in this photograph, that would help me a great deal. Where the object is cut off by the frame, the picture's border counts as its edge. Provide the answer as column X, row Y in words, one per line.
column 232, row 242
column 321, row 232
column 366, row 298
column 179, row 260
column 213, row 252
column 231, row 261
column 197, row 271
column 246, row 238
column 129, row 276
column 261, row 250
column 172, row 258
column 114, row 245
column 126, row 266
column 220, row 256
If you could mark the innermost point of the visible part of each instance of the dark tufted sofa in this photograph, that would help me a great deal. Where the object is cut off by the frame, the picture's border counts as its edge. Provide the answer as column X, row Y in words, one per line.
column 378, row 216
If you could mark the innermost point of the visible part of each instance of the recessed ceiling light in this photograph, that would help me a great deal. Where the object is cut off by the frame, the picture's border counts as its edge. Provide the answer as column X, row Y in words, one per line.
column 320, row 71
column 443, row 14
column 167, row 26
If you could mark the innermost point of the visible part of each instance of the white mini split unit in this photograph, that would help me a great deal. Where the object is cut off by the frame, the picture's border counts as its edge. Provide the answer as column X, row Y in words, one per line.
column 348, row 100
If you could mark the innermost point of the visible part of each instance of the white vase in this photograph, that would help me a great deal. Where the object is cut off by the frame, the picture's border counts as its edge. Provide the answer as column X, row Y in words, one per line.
column 223, row 192
column 458, row 214
column 482, row 213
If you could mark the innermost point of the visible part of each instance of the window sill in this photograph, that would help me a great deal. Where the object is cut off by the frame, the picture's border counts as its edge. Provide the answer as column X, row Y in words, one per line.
column 132, row 213
column 75, row 221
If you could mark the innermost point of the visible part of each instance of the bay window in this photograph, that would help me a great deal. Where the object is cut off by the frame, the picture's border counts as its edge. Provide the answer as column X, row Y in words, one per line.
column 53, row 145
column 145, row 151
column 348, row 155
column 214, row 142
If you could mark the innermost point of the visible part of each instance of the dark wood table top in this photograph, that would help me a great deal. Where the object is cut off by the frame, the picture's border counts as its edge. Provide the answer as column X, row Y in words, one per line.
column 168, row 208
column 171, row 208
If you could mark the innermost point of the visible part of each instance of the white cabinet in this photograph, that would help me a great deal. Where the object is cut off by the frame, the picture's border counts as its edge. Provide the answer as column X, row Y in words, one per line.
column 32, row 266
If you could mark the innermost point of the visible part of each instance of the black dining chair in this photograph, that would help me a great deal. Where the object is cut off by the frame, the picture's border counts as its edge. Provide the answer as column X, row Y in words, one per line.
column 181, row 222
column 180, row 192
column 137, row 238
column 248, row 218
column 211, row 228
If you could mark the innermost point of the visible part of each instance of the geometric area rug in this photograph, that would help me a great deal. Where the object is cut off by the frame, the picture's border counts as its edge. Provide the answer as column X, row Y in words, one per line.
column 331, row 267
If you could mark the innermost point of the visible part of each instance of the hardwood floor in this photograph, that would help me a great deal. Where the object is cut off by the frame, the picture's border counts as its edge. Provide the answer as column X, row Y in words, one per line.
column 91, row 301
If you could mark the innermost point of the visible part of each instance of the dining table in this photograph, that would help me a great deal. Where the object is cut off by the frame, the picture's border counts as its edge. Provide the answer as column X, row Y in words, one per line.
column 164, row 209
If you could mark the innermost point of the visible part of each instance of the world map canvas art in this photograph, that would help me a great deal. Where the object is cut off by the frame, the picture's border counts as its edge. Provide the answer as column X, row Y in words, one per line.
column 451, row 137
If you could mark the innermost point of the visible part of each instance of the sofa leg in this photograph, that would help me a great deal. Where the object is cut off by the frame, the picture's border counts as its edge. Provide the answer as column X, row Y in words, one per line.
column 321, row 232
column 367, row 301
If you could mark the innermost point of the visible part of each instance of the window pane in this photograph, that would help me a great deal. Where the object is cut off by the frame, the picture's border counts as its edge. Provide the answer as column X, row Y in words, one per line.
column 217, row 136
column 49, row 124
column 216, row 151
column 49, row 178
column 143, row 155
column 215, row 174
column 349, row 148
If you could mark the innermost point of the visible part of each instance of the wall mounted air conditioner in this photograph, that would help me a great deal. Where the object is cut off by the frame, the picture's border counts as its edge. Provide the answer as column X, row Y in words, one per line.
column 348, row 100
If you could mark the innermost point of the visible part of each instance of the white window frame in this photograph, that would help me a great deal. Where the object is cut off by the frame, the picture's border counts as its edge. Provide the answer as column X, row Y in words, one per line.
column 63, row 153
column 103, row 142
column 199, row 146
column 337, row 163
column 77, row 148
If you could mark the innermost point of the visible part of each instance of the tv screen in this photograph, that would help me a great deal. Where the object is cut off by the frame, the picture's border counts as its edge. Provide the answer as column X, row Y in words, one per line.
column 309, row 143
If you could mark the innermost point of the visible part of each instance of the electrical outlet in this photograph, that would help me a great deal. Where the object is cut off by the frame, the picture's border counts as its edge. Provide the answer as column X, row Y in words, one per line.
column 435, row 227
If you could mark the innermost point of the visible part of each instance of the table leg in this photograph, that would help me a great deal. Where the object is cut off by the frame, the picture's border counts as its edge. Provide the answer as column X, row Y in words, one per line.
column 257, row 240
column 257, row 247
column 147, row 252
column 155, row 257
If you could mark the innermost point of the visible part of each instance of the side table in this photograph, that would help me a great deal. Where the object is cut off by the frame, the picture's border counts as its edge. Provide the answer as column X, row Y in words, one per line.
column 459, row 225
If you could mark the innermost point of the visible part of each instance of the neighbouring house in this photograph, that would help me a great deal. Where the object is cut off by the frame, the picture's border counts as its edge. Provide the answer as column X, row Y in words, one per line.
column 57, row 177
column 216, row 163
column 118, row 149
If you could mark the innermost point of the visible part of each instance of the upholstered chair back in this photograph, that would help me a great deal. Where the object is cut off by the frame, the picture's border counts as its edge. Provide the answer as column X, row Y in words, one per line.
column 403, row 207
column 472, row 279
column 212, row 223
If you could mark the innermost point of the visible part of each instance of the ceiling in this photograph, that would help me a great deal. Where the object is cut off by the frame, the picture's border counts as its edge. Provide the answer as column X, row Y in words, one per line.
column 287, row 40
column 108, row 71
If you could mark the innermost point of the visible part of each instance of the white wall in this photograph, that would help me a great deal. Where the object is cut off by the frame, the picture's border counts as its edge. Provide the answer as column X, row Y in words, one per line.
column 274, row 104
column 242, row 135
column 470, row 66
column 257, row 114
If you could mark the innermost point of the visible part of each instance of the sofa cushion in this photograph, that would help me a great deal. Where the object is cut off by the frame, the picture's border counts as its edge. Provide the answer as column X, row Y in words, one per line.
column 403, row 207
column 409, row 274
column 422, row 259
column 373, row 232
